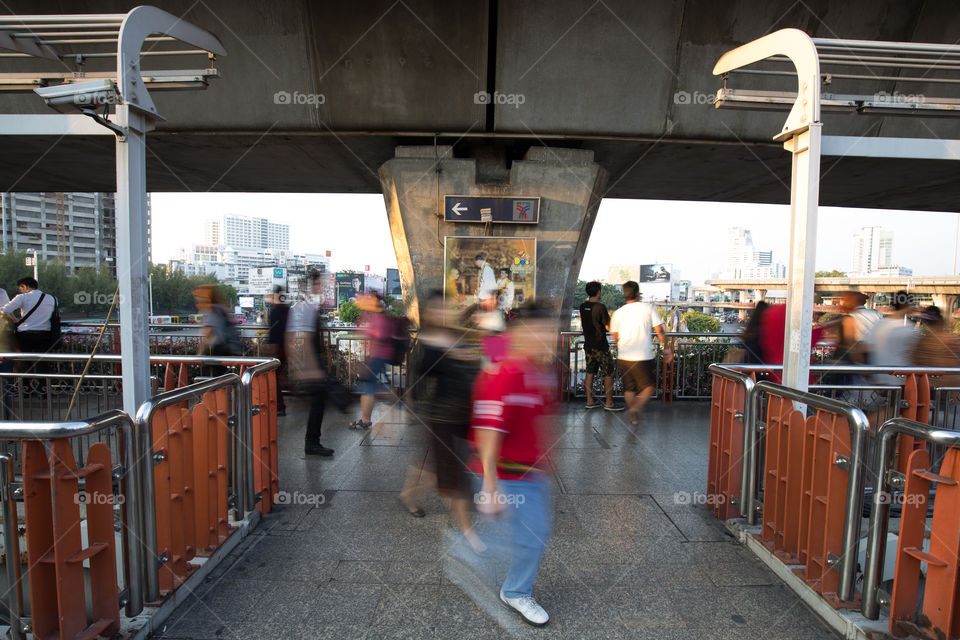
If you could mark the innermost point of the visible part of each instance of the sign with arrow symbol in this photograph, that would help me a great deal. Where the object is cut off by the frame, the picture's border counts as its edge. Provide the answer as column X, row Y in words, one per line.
column 503, row 209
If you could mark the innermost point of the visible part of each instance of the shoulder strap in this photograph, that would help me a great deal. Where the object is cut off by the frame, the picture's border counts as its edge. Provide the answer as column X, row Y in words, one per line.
column 30, row 313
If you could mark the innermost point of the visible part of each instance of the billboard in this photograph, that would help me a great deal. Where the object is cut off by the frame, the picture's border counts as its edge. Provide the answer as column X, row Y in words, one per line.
column 328, row 291
column 655, row 272
column 348, row 286
column 461, row 275
column 262, row 280
column 393, row 284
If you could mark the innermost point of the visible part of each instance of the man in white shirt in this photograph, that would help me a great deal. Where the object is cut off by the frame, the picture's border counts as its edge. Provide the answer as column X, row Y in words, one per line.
column 487, row 287
column 630, row 326
column 36, row 309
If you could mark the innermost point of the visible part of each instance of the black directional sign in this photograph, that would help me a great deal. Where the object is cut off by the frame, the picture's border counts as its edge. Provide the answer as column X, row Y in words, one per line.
column 513, row 209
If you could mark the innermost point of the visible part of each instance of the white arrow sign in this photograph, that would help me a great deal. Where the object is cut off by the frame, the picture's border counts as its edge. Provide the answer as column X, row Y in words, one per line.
column 457, row 209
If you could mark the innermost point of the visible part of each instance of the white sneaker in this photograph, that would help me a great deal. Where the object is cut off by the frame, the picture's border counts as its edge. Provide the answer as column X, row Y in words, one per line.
column 527, row 607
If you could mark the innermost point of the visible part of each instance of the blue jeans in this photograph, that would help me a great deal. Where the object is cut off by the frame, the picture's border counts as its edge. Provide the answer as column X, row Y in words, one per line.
column 370, row 383
column 529, row 513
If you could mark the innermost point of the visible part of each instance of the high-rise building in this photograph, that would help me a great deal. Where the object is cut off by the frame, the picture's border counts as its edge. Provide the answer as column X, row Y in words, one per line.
column 873, row 254
column 744, row 261
column 73, row 229
column 245, row 232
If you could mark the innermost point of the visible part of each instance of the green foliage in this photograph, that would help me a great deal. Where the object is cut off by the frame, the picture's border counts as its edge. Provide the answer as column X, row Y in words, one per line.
column 699, row 322
column 394, row 306
column 349, row 312
column 610, row 296
column 831, row 274
column 89, row 291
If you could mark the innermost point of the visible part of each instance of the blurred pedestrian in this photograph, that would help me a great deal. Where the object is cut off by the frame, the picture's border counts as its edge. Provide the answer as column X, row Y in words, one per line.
column 751, row 335
column 631, row 326
column 512, row 399
column 855, row 328
column 773, row 324
column 219, row 335
column 307, row 362
column 893, row 338
column 937, row 347
column 595, row 321
column 277, row 314
column 442, row 377
column 376, row 324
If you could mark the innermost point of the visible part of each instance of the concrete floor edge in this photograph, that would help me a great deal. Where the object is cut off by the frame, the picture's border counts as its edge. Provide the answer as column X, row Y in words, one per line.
column 152, row 619
column 852, row 625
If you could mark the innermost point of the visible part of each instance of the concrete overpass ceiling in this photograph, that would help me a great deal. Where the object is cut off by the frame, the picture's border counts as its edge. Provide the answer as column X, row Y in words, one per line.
column 604, row 76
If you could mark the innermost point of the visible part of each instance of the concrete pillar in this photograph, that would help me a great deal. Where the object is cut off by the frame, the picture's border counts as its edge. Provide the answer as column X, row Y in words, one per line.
column 568, row 181
column 761, row 294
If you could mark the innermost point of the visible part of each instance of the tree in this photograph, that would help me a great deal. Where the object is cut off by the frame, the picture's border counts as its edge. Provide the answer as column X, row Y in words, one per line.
column 349, row 312
column 831, row 274
column 610, row 295
column 699, row 322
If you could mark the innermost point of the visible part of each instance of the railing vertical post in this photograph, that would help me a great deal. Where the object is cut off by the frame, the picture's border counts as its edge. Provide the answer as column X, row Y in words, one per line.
column 147, row 517
column 877, row 529
column 748, row 468
column 860, row 428
column 11, row 543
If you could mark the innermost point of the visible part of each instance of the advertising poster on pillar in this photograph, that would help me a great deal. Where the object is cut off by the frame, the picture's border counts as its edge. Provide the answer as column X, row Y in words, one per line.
column 349, row 285
column 506, row 260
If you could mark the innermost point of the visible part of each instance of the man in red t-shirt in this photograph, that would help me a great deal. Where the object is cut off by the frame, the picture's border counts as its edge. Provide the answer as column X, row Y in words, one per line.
column 511, row 398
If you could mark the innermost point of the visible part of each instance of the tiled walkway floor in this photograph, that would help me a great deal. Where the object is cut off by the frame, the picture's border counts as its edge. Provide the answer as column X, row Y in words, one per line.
column 630, row 557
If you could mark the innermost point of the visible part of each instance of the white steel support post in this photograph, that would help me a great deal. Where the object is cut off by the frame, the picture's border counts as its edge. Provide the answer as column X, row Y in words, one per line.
column 804, row 199
column 132, row 257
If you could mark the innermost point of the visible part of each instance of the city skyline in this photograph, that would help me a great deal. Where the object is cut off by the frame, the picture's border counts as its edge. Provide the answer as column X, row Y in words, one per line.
column 354, row 228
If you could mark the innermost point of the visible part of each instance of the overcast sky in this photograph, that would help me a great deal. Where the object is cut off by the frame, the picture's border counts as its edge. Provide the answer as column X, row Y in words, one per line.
column 690, row 235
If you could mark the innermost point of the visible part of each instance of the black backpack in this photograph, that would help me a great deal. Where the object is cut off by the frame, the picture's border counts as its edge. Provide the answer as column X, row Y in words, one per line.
column 56, row 332
column 399, row 340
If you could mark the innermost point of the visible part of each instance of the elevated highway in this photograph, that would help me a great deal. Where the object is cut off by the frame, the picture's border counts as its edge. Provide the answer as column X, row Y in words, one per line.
column 315, row 97
column 944, row 290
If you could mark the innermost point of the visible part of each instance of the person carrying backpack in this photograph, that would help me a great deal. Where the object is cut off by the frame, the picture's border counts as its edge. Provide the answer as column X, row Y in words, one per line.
column 387, row 346
column 220, row 337
column 38, row 327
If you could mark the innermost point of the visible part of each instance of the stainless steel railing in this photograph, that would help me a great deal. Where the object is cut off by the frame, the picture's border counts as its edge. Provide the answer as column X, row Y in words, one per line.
column 880, row 511
column 144, row 447
column 133, row 505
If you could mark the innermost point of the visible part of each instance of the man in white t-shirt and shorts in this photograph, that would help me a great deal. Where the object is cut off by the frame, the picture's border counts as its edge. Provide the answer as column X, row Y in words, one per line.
column 631, row 326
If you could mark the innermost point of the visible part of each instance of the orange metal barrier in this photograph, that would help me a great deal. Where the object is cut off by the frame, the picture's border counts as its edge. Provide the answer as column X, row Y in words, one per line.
column 916, row 401
column 940, row 613
column 190, row 481
column 726, row 447
column 55, row 550
column 805, row 492
column 264, row 445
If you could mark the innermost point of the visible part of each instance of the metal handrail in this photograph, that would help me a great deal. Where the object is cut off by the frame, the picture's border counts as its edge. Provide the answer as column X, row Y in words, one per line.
column 144, row 445
column 859, row 432
column 132, row 507
column 880, row 511
column 746, row 505
column 246, row 492
column 154, row 359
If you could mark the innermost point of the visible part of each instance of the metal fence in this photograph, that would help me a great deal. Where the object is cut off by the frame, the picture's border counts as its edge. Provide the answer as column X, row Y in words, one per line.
column 149, row 494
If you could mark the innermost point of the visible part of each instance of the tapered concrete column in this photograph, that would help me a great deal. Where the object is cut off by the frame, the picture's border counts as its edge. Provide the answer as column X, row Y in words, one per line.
column 568, row 182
